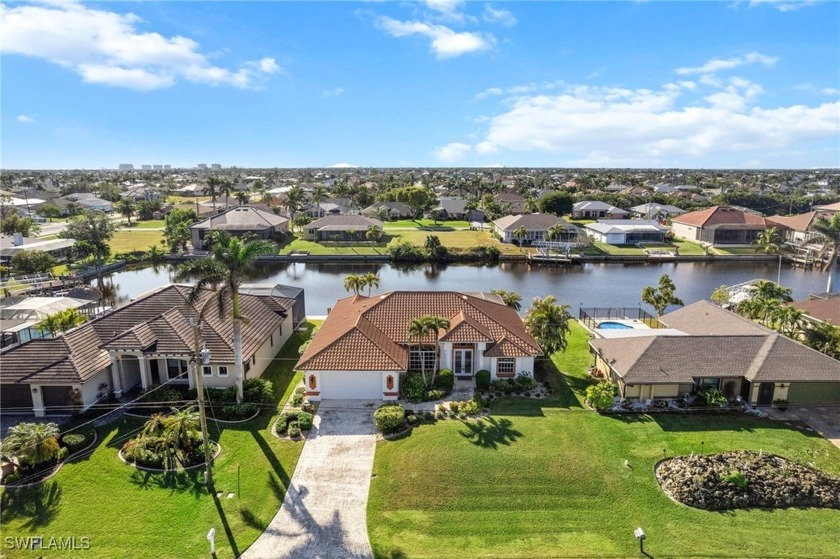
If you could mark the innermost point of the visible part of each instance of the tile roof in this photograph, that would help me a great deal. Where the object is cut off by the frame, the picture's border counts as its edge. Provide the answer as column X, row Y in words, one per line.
column 825, row 310
column 362, row 334
column 242, row 219
column 721, row 215
column 343, row 223
column 531, row 222
column 704, row 318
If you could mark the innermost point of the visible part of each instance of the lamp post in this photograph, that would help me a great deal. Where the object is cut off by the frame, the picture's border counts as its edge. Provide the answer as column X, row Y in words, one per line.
column 201, row 357
column 640, row 535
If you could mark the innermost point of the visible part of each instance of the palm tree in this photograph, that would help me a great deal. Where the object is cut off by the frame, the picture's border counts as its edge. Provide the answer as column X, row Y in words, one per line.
column 769, row 242
column 548, row 323
column 242, row 197
column 374, row 233
column 520, row 234
column 556, row 232
column 370, row 280
column 213, row 184
column 789, row 320
column 420, row 328
column 230, row 261
column 154, row 426
column 294, row 198
column 32, row 443
column 265, row 197
column 51, row 324
column 824, row 337
column 830, row 230
column 126, row 209
column 182, row 428
column 354, row 283
column 226, row 188
column 768, row 290
column 319, row 194
column 510, row 298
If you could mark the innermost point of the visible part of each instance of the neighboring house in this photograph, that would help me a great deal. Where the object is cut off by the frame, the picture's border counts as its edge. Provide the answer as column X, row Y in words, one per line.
column 84, row 200
column 194, row 189
column 57, row 248
column 597, row 210
column 635, row 191
column 515, row 201
column 20, row 315
column 626, row 231
column 798, row 228
column 652, row 210
column 238, row 222
column 829, row 208
column 331, row 206
column 536, row 228
column 139, row 193
column 363, row 349
column 143, row 344
column 452, row 207
column 719, row 225
column 394, row 210
column 339, row 227
column 722, row 350
column 820, row 309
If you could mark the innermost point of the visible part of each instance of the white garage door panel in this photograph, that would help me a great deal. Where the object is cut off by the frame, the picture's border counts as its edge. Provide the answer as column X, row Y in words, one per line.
column 347, row 385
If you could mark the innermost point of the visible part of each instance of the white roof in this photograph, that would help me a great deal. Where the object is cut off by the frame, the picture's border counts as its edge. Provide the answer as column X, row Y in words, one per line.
column 40, row 307
column 606, row 226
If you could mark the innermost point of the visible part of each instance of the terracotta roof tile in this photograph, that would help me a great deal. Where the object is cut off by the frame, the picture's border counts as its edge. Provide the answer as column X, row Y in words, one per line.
column 720, row 215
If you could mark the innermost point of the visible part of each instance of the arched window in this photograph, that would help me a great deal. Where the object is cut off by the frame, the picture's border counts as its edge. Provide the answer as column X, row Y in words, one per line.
column 312, row 382
column 389, row 382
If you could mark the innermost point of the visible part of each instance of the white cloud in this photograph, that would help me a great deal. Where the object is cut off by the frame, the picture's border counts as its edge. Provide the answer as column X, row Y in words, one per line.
column 343, row 165
column 499, row 15
column 335, row 92
column 446, row 43
column 830, row 91
column 24, row 119
column 448, row 10
column 453, row 152
column 106, row 47
column 784, row 5
column 595, row 126
column 513, row 90
column 718, row 64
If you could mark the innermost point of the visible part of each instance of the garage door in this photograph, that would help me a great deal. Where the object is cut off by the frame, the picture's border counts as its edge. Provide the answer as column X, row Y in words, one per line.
column 348, row 385
column 808, row 393
column 57, row 398
column 16, row 398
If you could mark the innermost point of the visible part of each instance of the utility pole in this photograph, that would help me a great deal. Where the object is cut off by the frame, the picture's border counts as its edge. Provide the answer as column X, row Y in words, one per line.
column 199, row 360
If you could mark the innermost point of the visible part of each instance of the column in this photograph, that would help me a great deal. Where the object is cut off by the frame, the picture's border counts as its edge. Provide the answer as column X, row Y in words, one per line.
column 145, row 380
column 116, row 376
column 38, row 401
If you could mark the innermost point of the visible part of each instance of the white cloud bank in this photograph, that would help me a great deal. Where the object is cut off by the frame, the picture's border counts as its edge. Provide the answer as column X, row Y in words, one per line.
column 24, row 119
column 105, row 47
column 343, row 165
column 719, row 64
column 445, row 42
column 450, row 153
column 784, row 5
column 499, row 15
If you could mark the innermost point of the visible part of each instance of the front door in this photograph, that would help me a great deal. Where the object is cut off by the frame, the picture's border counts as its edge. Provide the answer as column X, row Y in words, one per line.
column 765, row 393
column 463, row 362
column 153, row 369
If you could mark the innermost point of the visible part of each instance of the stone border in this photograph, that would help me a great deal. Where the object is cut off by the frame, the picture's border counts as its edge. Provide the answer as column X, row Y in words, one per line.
column 160, row 471
column 57, row 467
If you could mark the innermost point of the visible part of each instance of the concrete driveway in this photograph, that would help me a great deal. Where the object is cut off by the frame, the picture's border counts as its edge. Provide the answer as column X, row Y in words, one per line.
column 825, row 420
column 324, row 513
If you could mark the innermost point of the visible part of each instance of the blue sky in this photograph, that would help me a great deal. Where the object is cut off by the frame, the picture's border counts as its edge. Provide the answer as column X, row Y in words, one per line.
column 748, row 84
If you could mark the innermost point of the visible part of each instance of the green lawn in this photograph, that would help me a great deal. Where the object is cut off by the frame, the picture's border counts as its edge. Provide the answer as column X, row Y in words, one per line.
column 688, row 248
column 459, row 239
column 126, row 513
column 128, row 240
column 547, row 479
column 318, row 248
column 150, row 224
column 416, row 224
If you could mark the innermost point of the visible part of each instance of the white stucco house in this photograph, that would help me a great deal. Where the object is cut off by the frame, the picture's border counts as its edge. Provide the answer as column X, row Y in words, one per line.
column 363, row 349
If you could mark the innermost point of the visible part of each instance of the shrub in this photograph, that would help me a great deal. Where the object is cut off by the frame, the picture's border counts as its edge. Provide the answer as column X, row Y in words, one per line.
column 300, row 390
column 736, row 478
column 304, row 421
column 524, row 383
column 63, row 453
column 411, row 418
column 297, row 399
column 258, row 390
column 294, row 432
column 470, row 407
column 445, row 380
column 308, row 407
column 163, row 394
column 389, row 418
column 404, row 250
column 482, row 380
column 73, row 441
column 712, row 397
column 434, row 395
column 454, row 407
column 601, row 395
column 282, row 425
column 239, row 411
column 413, row 388
column 11, row 478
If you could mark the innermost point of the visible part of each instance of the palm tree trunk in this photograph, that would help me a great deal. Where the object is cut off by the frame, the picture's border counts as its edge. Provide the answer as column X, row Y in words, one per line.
column 832, row 268
column 237, row 358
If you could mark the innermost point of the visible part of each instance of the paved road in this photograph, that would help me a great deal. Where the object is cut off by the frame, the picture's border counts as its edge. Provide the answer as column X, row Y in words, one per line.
column 324, row 513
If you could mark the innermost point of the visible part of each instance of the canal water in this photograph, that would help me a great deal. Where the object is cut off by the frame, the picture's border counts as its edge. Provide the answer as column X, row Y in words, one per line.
column 590, row 285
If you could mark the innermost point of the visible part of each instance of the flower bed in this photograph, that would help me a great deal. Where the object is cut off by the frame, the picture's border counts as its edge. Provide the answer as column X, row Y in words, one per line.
column 215, row 451
column 69, row 446
column 736, row 480
column 522, row 385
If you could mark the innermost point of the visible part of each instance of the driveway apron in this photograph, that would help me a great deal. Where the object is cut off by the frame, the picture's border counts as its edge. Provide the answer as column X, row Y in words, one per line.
column 324, row 512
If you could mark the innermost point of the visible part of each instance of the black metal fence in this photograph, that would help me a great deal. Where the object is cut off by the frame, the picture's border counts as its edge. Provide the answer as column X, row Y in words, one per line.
column 593, row 316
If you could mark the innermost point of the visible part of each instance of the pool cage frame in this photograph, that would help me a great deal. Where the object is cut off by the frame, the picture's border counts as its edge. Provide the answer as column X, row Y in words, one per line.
column 591, row 317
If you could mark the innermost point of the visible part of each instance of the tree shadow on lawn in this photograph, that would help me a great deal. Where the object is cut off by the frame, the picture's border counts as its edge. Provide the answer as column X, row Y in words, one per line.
column 568, row 390
column 490, row 432
column 38, row 504
column 176, row 482
column 699, row 421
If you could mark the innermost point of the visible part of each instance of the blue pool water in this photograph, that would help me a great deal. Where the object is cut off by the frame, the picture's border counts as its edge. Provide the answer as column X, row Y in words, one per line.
column 614, row 326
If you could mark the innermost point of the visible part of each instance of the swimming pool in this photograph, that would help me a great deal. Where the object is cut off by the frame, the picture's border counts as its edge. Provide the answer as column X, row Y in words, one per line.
column 614, row 326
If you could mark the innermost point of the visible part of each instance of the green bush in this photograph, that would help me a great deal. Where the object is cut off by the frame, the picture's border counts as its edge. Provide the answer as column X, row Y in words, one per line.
column 294, row 432
column 736, row 478
column 304, row 421
column 711, row 397
column 308, row 407
column 600, row 396
column 258, row 390
column 524, row 383
column 282, row 425
column 239, row 411
column 470, row 407
column 297, row 399
column 454, row 407
column 73, row 441
column 162, row 394
column 404, row 250
column 436, row 394
column 300, row 390
column 63, row 453
column 482, row 380
column 11, row 478
column 389, row 418
column 413, row 387
column 445, row 380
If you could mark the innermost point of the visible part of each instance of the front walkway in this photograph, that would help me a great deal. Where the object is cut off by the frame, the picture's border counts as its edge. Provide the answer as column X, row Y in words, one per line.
column 825, row 420
column 324, row 513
